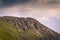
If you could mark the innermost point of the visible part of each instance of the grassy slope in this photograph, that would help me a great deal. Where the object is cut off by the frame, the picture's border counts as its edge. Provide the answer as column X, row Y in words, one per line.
column 7, row 32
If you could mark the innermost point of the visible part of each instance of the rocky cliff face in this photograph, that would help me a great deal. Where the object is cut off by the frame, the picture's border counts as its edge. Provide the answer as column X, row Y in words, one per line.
column 31, row 29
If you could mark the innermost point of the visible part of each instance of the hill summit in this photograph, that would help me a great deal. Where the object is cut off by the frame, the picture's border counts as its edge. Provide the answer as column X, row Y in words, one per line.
column 15, row 28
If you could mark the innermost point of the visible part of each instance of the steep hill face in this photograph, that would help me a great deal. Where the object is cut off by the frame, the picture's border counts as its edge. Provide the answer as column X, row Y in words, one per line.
column 28, row 29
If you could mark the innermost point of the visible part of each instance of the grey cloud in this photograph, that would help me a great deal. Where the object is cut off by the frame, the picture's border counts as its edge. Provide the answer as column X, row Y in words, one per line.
column 13, row 2
column 27, row 9
column 34, row 2
column 6, row 2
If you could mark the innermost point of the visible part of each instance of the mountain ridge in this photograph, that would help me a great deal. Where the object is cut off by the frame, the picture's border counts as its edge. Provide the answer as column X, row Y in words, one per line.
column 30, row 27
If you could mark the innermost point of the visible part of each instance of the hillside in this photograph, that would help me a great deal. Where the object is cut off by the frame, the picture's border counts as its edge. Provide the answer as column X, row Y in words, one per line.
column 7, row 32
column 14, row 28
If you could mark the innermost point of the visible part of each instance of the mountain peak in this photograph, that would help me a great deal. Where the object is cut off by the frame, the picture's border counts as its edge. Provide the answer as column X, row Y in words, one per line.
column 30, row 26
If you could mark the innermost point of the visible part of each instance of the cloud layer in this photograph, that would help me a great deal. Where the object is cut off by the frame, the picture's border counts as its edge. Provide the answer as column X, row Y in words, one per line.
column 47, row 14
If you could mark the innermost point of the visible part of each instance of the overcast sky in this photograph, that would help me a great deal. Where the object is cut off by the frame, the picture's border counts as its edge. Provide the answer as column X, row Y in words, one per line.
column 45, row 12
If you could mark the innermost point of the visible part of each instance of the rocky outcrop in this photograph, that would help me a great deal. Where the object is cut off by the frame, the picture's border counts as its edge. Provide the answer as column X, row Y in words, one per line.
column 30, row 24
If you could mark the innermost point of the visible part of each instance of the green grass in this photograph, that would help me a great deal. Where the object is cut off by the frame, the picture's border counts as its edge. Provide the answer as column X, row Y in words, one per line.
column 7, row 32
